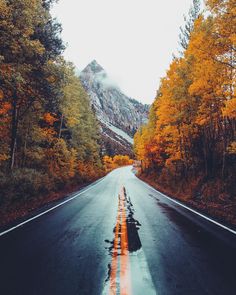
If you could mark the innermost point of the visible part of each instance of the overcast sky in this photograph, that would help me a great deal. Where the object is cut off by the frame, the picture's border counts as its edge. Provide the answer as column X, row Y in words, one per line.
column 133, row 40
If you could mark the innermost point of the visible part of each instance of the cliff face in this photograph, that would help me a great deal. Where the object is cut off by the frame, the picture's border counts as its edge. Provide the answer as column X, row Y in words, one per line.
column 119, row 115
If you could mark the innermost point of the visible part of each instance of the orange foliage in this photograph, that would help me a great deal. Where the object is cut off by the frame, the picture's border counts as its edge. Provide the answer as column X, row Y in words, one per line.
column 192, row 121
column 50, row 119
column 115, row 162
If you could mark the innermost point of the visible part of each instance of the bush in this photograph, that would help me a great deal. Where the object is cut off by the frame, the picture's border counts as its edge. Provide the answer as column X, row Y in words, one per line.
column 23, row 184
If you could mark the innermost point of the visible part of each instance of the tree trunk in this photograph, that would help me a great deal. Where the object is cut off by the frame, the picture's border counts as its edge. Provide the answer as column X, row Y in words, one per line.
column 61, row 123
column 25, row 147
column 224, row 136
column 14, row 126
column 205, row 152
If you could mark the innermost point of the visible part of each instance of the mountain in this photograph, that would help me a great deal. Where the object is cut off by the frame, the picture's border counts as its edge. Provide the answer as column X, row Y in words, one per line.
column 119, row 115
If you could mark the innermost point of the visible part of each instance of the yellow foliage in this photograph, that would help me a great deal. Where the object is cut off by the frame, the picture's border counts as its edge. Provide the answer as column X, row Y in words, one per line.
column 61, row 160
column 3, row 157
column 232, row 148
column 47, row 134
column 87, row 171
column 1, row 94
column 194, row 98
column 230, row 109
column 115, row 162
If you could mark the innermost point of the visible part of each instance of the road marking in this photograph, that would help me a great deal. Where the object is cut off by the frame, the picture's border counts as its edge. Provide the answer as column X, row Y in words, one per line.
column 128, row 273
column 53, row 208
column 120, row 282
column 125, row 280
column 114, row 262
column 190, row 209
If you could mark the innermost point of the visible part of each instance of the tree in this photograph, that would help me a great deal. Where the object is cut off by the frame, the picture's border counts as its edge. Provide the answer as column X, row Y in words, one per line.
column 49, row 135
column 30, row 42
column 185, row 32
column 193, row 132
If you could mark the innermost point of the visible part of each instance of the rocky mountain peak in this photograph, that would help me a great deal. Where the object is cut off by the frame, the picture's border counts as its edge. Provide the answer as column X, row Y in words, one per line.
column 93, row 68
column 119, row 115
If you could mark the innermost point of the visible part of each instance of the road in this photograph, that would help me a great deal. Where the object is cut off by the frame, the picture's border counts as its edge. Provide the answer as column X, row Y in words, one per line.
column 118, row 236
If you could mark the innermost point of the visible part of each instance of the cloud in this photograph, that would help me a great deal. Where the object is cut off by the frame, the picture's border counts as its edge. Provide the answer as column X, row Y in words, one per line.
column 107, row 82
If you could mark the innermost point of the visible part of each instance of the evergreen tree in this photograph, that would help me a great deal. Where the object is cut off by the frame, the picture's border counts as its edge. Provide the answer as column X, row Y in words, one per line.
column 185, row 31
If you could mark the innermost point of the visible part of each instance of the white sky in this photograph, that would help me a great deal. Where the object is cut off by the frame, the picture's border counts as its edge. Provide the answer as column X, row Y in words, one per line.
column 133, row 40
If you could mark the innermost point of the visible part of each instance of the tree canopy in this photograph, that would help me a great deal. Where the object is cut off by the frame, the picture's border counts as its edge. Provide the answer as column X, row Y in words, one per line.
column 191, row 131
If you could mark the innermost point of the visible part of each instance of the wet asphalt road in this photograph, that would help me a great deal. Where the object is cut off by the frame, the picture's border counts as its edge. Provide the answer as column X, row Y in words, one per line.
column 118, row 233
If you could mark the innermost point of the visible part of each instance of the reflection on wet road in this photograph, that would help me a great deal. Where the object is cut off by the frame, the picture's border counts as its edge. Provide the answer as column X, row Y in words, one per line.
column 120, row 268
column 128, row 270
column 119, row 236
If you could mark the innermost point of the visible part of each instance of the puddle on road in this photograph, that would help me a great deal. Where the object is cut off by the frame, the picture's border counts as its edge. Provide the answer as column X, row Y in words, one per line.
column 128, row 271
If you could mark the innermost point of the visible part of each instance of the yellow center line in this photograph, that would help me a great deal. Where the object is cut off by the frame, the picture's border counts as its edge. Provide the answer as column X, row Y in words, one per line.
column 114, row 262
column 121, row 235
column 125, row 282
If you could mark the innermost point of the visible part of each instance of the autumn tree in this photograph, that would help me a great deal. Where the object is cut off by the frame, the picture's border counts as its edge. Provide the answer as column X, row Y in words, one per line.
column 192, row 134
column 29, row 43
column 78, row 124
column 49, row 134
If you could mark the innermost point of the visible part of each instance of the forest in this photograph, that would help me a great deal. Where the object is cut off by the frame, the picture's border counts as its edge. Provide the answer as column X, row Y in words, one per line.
column 49, row 135
column 188, row 147
column 50, row 138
